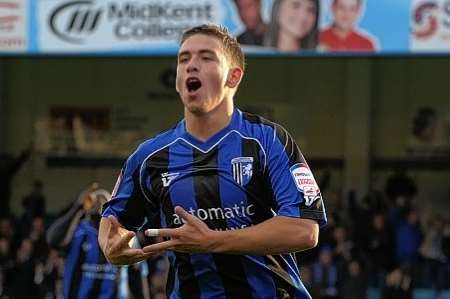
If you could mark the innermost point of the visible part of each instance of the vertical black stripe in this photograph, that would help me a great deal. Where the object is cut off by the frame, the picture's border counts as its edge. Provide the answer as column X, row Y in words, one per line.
column 259, row 192
column 265, row 199
column 96, row 287
column 207, row 194
column 156, row 165
column 138, row 208
column 75, row 283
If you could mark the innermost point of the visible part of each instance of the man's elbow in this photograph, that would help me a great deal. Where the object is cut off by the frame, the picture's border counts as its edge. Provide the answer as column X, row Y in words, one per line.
column 313, row 239
column 309, row 238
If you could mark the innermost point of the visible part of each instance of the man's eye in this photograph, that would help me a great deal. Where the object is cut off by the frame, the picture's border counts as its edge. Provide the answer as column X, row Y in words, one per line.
column 181, row 60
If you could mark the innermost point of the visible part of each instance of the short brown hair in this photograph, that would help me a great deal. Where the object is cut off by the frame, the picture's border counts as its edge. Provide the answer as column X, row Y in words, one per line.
column 232, row 48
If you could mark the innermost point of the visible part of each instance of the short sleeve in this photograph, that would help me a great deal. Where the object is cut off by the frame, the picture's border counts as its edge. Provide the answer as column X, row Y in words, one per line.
column 294, row 186
column 128, row 202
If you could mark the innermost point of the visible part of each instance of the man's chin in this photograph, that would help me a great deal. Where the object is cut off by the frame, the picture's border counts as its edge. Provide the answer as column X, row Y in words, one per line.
column 196, row 110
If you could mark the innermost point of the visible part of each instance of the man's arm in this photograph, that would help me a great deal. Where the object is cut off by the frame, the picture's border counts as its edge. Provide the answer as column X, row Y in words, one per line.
column 61, row 231
column 274, row 236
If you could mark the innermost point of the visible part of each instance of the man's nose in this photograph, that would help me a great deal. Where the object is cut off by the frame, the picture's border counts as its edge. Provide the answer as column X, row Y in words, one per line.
column 193, row 66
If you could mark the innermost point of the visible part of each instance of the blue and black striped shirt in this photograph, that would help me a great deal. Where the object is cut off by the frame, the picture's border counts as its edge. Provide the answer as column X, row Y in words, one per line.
column 248, row 172
column 87, row 274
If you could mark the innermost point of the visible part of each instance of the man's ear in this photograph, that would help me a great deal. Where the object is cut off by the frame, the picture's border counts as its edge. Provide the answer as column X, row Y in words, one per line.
column 234, row 77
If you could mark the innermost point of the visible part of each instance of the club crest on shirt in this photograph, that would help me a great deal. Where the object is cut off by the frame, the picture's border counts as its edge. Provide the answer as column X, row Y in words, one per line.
column 242, row 168
column 86, row 246
column 305, row 182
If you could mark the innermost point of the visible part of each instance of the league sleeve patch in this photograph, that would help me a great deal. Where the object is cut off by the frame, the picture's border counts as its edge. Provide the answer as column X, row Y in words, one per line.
column 305, row 182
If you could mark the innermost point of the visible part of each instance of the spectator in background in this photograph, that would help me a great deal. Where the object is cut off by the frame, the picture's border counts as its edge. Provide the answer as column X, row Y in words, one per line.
column 344, row 246
column 398, row 285
column 434, row 266
column 446, row 252
column 22, row 280
column 400, row 189
column 87, row 273
column 37, row 236
column 408, row 238
column 342, row 35
column 48, row 275
column 293, row 25
column 380, row 249
column 425, row 125
column 250, row 14
column 324, row 276
column 353, row 282
column 9, row 166
column 34, row 203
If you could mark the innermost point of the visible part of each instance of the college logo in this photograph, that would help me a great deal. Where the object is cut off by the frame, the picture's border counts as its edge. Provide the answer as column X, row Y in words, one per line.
column 425, row 19
column 74, row 21
column 167, row 178
column 305, row 182
column 242, row 168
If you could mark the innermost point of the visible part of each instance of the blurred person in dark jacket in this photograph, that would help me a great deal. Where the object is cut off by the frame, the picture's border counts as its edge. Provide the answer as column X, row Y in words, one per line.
column 353, row 283
column 325, row 275
column 250, row 14
column 9, row 166
column 22, row 281
column 34, row 204
column 380, row 249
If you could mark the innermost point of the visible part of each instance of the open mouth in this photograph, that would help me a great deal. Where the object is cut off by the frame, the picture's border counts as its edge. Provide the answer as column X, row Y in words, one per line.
column 193, row 84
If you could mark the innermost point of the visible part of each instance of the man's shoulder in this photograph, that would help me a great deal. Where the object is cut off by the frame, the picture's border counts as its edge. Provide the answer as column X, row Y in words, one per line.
column 153, row 144
column 256, row 125
column 255, row 119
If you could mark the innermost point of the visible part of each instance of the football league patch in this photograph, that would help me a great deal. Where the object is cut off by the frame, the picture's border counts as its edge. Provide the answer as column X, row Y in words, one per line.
column 305, row 182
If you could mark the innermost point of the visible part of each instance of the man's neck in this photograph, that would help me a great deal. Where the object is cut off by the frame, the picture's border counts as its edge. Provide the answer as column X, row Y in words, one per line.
column 203, row 126
column 340, row 32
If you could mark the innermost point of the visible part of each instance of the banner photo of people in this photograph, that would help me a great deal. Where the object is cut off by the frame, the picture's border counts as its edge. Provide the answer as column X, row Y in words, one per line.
column 263, row 27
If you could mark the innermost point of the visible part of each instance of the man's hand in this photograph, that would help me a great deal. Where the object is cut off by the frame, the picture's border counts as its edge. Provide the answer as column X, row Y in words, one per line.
column 193, row 236
column 116, row 244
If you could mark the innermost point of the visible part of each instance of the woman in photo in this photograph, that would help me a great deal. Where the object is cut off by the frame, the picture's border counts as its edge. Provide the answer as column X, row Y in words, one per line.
column 293, row 26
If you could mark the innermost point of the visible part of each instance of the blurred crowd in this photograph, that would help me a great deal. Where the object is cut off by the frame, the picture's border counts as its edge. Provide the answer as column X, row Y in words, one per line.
column 31, row 268
column 379, row 241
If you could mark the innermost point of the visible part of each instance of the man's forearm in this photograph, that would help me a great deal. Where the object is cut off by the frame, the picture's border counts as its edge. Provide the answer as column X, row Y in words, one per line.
column 274, row 236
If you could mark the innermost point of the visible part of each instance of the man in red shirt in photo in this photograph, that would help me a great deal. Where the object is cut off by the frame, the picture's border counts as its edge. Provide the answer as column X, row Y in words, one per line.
column 342, row 34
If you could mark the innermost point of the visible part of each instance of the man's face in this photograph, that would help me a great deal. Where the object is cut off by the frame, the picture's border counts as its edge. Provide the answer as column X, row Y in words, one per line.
column 345, row 13
column 202, row 72
column 250, row 12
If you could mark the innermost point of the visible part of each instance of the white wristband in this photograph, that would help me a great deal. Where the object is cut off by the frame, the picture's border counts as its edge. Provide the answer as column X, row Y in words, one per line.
column 152, row 232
